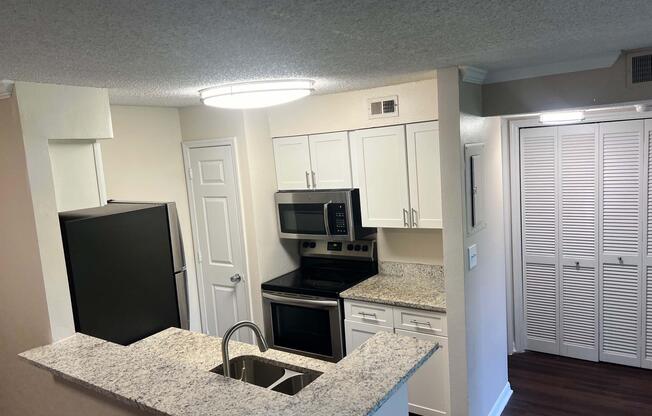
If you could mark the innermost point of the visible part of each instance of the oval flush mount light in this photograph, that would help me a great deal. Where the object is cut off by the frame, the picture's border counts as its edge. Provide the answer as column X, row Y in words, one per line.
column 257, row 94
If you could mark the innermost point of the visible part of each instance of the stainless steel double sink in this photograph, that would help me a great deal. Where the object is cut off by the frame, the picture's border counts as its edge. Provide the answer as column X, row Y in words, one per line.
column 271, row 375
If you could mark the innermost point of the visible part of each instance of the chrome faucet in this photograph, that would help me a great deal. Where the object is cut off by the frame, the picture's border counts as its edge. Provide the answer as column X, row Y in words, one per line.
column 262, row 344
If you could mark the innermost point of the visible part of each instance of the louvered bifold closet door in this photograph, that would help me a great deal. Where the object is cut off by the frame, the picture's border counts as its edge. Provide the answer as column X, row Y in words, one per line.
column 538, row 148
column 647, row 287
column 578, row 207
column 621, row 242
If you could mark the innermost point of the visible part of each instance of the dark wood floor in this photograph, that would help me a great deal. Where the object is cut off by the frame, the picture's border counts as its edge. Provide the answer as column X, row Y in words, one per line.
column 551, row 385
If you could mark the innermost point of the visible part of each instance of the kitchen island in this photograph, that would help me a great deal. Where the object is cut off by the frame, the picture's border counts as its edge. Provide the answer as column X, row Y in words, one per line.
column 169, row 373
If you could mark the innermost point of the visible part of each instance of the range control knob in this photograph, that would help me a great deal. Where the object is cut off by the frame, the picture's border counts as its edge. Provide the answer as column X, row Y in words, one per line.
column 349, row 247
column 305, row 244
column 365, row 248
column 357, row 247
column 313, row 244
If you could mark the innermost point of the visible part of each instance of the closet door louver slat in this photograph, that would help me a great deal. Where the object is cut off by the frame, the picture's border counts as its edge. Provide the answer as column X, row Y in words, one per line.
column 539, row 225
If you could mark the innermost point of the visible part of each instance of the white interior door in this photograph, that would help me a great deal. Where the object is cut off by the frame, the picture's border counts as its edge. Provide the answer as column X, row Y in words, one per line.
column 219, row 238
column 425, row 175
column 330, row 160
column 621, row 240
column 380, row 159
column 578, row 204
column 292, row 159
column 539, row 216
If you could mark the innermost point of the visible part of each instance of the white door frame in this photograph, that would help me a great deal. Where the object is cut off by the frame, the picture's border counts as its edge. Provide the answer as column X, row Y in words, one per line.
column 186, row 147
column 512, row 212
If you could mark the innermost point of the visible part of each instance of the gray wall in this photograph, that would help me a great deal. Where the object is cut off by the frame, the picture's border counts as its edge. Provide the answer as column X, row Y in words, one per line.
column 597, row 87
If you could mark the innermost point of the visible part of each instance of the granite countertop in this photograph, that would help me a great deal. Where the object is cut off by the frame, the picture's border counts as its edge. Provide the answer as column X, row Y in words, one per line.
column 410, row 285
column 169, row 374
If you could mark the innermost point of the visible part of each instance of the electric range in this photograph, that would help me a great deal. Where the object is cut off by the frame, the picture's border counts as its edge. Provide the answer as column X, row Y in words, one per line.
column 303, row 310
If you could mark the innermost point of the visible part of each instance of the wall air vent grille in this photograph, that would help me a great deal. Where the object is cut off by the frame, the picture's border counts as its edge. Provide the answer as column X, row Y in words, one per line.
column 641, row 68
column 383, row 107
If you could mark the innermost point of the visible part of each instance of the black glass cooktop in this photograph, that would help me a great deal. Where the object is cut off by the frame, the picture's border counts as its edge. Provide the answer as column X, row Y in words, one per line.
column 322, row 278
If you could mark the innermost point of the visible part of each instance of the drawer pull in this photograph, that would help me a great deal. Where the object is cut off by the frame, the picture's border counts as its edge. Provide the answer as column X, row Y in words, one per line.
column 419, row 323
column 365, row 314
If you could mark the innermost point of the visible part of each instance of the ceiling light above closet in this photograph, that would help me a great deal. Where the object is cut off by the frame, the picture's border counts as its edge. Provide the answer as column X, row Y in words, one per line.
column 258, row 94
column 561, row 117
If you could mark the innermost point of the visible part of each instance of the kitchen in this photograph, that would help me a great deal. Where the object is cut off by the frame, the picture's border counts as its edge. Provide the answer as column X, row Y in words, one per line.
column 382, row 186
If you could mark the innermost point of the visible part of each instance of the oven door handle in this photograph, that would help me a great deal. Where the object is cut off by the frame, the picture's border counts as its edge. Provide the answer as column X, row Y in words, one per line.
column 299, row 301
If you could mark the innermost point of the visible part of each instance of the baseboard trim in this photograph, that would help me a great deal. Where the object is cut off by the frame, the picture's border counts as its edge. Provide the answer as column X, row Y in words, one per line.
column 502, row 401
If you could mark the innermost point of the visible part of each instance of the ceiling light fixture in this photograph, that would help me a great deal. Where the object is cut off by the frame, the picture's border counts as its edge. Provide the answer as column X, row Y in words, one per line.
column 257, row 94
column 561, row 117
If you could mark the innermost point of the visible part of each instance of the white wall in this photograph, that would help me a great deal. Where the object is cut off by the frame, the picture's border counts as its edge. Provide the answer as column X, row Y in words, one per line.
column 268, row 256
column 476, row 298
column 51, row 112
column 144, row 162
column 417, row 101
column 348, row 111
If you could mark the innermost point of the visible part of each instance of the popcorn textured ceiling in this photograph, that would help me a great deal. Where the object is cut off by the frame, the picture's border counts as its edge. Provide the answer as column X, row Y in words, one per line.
column 161, row 52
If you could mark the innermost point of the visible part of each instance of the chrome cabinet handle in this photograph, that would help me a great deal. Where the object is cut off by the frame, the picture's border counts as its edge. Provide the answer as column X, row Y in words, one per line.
column 414, row 217
column 365, row 314
column 405, row 221
column 307, row 180
column 236, row 278
column 314, row 181
column 418, row 323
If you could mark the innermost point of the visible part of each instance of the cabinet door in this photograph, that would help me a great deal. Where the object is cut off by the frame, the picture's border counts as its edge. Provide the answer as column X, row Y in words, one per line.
column 429, row 387
column 330, row 160
column 292, row 158
column 425, row 176
column 539, row 218
column 356, row 333
column 380, row 160
column 621, row 219
column 578, row 146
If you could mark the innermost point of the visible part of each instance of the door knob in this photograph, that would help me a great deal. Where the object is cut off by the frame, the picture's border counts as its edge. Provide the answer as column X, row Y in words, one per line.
column 236, row 278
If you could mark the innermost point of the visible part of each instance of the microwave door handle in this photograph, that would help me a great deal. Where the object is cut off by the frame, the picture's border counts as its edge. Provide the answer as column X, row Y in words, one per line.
column 326, row 223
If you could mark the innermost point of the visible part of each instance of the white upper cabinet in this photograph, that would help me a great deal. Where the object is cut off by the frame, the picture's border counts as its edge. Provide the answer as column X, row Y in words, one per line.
column 292, row 157
column 319, row 161
column 380, row 159
column 397, row 171
column 330, row 160
column 424, row 173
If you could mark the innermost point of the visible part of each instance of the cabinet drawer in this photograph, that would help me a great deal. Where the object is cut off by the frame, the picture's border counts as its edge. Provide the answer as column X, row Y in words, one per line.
column 420, row 321
column 369, row 313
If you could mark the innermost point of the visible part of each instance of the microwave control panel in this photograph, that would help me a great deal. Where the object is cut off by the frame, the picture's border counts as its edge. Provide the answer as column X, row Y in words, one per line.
column 337, row 219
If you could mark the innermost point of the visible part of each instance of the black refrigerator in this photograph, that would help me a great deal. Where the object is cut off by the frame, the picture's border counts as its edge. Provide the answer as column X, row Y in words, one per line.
column 126, row 270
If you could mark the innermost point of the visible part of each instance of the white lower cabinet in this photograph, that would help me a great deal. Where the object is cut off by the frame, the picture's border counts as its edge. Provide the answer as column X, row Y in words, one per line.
column 428, row 389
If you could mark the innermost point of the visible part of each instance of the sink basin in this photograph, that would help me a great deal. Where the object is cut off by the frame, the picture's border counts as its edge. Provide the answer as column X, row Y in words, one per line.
column 273, row 375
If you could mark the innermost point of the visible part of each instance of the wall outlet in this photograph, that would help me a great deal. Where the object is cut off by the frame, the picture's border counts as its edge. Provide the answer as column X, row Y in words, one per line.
column 473, row 256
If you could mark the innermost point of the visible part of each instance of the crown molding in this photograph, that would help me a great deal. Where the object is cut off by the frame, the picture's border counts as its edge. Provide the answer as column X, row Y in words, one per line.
column 6, row 88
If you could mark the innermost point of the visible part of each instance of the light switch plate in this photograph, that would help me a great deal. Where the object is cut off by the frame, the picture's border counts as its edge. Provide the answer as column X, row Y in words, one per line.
column 473, row 256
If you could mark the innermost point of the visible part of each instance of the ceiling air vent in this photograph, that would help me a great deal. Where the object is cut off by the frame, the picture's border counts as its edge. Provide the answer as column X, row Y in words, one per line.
column 383, row 107
column 640, row 67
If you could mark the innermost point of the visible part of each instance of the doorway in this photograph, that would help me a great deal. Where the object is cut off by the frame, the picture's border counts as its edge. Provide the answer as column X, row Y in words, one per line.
column 217, row 226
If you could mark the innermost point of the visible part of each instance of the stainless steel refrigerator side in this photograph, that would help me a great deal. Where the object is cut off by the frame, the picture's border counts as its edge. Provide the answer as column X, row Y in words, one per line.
column 179, row 264
column 180, row 280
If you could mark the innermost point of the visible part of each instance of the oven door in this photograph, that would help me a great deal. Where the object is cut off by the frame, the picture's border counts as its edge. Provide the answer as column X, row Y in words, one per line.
column 315, row 215
column 304, row 325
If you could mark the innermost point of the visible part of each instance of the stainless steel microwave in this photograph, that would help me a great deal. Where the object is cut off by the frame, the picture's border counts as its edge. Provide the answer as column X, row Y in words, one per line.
column 321, row 215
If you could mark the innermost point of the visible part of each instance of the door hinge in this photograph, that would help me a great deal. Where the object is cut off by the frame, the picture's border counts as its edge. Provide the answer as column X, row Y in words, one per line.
column 199, row 259
column 190, row 173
